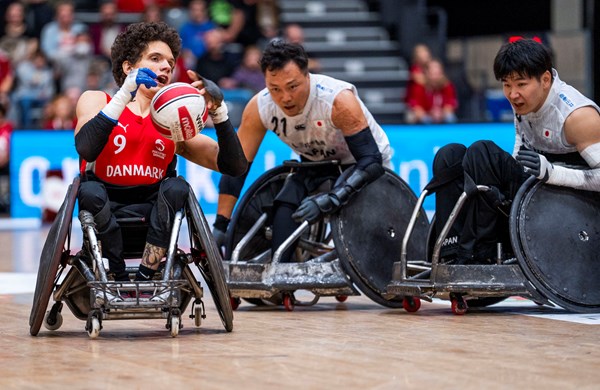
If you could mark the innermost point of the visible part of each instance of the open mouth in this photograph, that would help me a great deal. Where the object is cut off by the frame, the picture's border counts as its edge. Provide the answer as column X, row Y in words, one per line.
column 162, row 79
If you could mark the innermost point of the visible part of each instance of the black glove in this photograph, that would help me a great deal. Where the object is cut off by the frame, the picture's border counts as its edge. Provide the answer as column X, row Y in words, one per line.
column 315, row 207
column 213, row 90
column 535, row 164
column 497, row 199
column 220, row 229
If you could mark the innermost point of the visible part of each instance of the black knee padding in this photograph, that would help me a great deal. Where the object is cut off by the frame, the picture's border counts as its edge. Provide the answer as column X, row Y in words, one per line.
column 447, row 166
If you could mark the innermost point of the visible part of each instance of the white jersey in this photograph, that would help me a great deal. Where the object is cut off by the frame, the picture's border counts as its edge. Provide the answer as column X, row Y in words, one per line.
column 312, row 133
column 543, row 131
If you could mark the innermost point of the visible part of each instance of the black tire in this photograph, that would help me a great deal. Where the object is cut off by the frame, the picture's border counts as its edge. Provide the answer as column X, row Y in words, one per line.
column 207, row 257
column 55, row 250
column 250, row 207
column 368, row 234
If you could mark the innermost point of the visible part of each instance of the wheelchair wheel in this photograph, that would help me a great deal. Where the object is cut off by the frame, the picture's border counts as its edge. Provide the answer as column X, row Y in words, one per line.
column 209, row 261
column 54, row 254
column 555, row 234
column 255, row 201
column 368, row 234
column 251, row 206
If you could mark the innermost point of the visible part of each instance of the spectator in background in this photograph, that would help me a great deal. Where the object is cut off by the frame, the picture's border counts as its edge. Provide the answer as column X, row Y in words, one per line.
column 60, row 37
column 294, row 33
column 17, row 39
column 6, row 78
column 6, row 129
column 260, row 22
column 152, row 14
column 193, row 31
column 228, row 15
column 420, row 58
column 60, row 114
column 37, row 15
column 434, row 101
column 35, row 87
column 104, row 32
column 248, row 74
column 74, row 67
column 217, row 63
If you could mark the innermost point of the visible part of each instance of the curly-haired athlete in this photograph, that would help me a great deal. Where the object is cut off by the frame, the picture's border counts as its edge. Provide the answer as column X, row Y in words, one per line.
column 557, row 140
column 127, row 167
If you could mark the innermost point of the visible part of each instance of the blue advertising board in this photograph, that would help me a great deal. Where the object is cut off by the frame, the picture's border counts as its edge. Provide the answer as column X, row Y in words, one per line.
column 34, row 153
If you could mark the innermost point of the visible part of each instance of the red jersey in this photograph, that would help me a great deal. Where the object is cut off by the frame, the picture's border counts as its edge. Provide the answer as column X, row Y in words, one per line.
column 135, row 154
column 428, row 99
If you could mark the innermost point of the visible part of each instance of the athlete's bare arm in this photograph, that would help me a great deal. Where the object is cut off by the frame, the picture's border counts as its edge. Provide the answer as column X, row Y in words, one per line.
column 347, row 114
column 582, row 127
column 88, row 106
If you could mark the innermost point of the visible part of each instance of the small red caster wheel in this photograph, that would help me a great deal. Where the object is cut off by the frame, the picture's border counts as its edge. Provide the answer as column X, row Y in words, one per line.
column 459, row 305
column 411, row 304
column 235, row 303
column 341, row 298
column 288, row 302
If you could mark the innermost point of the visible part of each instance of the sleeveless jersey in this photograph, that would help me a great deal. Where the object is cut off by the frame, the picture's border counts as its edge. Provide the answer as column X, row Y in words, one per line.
column 312, row 133
column 543, row 131
column 135, row 154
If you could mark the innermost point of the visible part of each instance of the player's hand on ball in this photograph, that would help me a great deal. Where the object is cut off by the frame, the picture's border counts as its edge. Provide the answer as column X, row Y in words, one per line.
column 207, row 87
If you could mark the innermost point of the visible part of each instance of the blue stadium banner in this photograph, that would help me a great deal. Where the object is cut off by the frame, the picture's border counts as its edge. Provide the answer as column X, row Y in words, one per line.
column 35, row 153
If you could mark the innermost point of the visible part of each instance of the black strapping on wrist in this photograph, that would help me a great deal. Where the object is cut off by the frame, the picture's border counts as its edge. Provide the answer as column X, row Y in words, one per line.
column 231, row 159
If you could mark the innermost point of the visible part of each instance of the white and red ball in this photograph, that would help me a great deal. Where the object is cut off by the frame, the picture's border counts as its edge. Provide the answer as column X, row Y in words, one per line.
column 178, row 111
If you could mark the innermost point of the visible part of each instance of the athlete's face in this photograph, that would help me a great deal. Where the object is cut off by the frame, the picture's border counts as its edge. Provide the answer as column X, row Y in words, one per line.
column 526, row 94
column 289, row 88
column 158, row 57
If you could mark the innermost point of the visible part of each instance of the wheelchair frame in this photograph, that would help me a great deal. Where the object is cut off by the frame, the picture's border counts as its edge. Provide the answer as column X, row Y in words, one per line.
column 472, row 285
column 92, row 297
column 262, row 278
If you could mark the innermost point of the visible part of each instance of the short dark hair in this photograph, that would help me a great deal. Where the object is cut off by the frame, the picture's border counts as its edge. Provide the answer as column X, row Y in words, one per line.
column 279, row 53
column 131, row 43
column 525, row 57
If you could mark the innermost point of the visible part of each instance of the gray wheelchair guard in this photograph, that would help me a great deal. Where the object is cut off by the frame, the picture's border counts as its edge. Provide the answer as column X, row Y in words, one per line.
column 368, row 234
column 555, row 233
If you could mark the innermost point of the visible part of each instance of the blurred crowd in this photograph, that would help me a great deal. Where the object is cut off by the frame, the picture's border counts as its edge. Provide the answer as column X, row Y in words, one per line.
column 48, row 57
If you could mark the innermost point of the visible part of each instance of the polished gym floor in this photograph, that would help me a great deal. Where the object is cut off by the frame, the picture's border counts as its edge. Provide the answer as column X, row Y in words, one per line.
column 352, row 345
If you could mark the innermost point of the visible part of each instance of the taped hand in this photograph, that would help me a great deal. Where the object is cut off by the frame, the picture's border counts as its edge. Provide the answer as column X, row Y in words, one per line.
column 535, row 164
column 137, row 77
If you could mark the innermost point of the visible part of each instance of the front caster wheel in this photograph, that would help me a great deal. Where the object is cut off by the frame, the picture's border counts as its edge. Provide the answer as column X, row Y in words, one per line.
column 93, row 327
column 288, row 302
column 411, row 304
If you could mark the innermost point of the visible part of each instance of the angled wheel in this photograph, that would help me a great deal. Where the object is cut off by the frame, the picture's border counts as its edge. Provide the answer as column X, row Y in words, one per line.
column 555, row 235
column 207, row 257
column 368, row 234
column 54, row 254
column 256, row 200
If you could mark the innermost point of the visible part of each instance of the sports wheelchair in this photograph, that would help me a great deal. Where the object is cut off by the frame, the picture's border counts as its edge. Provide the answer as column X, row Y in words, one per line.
column 93, row 297
column 555, row 242
column 329, row 257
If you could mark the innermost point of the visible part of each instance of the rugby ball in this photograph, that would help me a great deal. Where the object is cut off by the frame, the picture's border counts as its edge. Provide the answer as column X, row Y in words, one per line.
column 178, row 111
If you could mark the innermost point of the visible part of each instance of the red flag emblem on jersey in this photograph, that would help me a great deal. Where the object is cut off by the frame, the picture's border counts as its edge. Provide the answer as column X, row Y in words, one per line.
column 320, row 123
column 547, row 133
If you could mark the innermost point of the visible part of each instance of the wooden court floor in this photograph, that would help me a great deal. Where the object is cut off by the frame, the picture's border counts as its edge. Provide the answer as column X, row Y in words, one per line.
column 352, row 345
